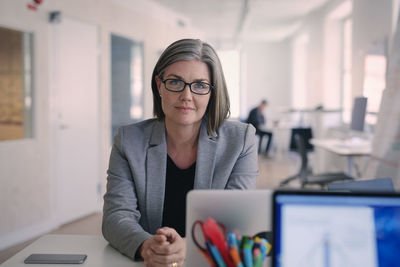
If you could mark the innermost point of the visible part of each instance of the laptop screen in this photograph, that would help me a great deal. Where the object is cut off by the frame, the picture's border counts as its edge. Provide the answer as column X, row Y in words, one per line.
column 325, row 229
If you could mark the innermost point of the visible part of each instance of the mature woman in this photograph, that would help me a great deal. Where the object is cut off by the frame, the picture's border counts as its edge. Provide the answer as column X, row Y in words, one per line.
column 189, row 145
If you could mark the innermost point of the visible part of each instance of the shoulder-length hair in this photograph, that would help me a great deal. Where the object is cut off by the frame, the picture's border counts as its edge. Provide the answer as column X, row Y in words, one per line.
column 195, row 49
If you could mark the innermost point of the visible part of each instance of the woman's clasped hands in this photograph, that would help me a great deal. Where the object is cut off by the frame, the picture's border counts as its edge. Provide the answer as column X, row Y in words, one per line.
column 167, row 248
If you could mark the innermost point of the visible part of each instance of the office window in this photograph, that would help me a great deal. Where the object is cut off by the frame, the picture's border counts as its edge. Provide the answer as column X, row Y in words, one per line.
column 374, row 84
column 16, row 83
column 230, row 60
column 347, row 99
column 126, row 81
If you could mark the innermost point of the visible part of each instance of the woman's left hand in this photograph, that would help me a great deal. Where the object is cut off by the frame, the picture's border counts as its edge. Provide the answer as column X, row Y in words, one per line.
column 171, row 253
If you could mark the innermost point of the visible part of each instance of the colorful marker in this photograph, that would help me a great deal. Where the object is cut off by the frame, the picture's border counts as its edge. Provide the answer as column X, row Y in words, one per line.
column 247, row 255
column 233, row 250
column 257, row 257
column 213, row 250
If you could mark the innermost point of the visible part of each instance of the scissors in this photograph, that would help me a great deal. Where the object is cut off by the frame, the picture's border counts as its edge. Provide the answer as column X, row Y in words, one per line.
column 214, row 235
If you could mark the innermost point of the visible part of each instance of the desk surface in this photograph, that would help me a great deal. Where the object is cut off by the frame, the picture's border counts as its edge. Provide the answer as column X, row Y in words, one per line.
column 99, row 252
column 344, row 147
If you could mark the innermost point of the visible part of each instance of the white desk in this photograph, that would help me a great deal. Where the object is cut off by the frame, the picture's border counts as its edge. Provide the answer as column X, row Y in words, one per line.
column 346, row 148
column 99, row 252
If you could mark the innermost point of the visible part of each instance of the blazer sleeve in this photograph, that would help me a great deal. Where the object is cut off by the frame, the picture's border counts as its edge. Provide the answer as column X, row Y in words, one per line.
column 121, row 216
column 245, row 171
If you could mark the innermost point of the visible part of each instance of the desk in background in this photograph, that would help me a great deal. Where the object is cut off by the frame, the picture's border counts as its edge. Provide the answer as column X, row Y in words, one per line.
column 99, row 252
column 347, row 148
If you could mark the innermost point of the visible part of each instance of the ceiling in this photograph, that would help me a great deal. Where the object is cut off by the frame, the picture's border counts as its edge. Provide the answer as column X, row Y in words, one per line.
column 235, row 20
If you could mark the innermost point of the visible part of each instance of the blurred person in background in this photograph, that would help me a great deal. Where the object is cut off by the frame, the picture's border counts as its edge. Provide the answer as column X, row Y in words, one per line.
column 257, row 119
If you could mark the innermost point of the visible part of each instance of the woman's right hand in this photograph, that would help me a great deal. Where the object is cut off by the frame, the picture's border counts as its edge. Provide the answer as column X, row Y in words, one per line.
column 146, row 250
column 165, row 249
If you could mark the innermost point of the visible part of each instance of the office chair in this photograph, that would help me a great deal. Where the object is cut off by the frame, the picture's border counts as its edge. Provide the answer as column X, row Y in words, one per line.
column 306, row 134
column 303, row 175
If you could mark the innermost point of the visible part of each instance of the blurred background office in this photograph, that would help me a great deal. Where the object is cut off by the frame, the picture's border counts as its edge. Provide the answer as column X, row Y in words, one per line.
column 73, row 71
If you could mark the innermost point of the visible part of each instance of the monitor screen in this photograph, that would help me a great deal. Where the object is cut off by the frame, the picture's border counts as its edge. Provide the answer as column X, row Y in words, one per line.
column 336, row 229
column 358, row 114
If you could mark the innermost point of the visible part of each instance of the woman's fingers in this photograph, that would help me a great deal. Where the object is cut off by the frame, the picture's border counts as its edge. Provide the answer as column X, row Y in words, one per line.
column 166, row 248
column 147, row 252
column 171, row 235
column 168, row 232
column 161, row 239
column 164, row 260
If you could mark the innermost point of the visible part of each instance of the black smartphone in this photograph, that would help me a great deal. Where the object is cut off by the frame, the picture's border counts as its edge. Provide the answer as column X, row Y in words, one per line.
column 55, row 259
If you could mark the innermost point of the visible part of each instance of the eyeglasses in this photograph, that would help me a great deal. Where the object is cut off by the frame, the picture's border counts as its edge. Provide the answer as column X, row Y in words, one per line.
column 199, row 88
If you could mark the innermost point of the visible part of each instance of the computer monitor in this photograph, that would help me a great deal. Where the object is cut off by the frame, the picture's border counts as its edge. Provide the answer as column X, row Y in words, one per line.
column 358, row 114
column 320, row 228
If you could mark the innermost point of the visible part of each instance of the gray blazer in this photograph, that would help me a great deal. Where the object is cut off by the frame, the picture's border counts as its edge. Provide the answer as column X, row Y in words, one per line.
column 134, row 201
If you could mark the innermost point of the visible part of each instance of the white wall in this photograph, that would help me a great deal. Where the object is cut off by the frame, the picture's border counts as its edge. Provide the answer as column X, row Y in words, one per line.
column 372, row 20
column 266, row 75
column 26, row 185
column 395, row 16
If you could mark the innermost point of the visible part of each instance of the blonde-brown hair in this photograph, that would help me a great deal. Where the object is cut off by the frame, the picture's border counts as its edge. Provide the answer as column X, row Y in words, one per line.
column 195, row 49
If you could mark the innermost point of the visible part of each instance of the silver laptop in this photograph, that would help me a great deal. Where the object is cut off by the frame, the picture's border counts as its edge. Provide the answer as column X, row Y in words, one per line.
column 336, row 229
column 243, row 212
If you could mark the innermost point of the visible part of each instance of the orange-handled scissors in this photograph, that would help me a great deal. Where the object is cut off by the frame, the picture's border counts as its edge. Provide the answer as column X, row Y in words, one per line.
column 213, row 233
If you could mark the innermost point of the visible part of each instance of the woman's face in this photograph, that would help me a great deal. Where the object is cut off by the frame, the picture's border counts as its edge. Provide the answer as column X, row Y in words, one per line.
column 184, row 108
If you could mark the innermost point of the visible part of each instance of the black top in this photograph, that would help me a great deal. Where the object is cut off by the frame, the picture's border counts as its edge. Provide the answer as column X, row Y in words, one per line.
column 178, row 183
column 256, row 118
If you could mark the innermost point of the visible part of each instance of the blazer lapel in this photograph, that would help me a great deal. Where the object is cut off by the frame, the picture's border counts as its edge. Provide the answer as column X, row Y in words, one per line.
column 205, row 161
column 156, row 171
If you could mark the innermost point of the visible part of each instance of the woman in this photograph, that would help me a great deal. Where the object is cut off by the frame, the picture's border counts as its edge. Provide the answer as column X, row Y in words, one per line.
column 190, row 145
